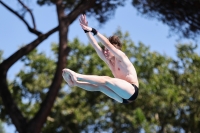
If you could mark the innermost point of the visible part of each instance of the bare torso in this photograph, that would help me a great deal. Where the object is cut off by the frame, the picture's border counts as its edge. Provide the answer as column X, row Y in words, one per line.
column 124, row 69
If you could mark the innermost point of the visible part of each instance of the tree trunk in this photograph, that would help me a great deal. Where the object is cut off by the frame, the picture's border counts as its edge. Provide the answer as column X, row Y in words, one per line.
column 40, row 118
column 35, row 125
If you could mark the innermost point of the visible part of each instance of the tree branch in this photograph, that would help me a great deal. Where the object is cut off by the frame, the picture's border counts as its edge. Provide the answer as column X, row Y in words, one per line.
column 15, row 114
column 6, row 64
column 32, row 17
column 79, row 9
column 11, row 107
column 37, row 122
column 34, row 31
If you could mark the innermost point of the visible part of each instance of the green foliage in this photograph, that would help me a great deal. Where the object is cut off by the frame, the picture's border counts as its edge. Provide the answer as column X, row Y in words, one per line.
column 170, row 87
column 79, row 108
column 1, row 127
column 182, row 16
column 1, row 56
column 103, row 10
column 168, row 98
column 2, row 110
column 31, row 83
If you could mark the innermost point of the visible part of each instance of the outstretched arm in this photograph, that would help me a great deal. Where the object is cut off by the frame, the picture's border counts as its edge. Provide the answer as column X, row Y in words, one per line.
column 98, row 49
column 118, row 53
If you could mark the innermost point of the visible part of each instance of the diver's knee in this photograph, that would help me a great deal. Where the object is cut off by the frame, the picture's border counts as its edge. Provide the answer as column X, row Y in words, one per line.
column 107, row 80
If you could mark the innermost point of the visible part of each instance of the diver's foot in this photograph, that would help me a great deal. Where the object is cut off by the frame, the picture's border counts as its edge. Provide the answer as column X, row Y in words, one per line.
column 67, row 78
column 72, row 74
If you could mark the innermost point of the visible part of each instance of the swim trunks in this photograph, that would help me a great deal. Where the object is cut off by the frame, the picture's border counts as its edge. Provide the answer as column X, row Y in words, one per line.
column 133, row 97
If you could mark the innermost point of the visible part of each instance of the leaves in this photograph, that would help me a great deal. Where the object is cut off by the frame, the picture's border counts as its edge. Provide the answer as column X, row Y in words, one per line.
column 168, row 92
column 1, row 127
column 102, row 11
column 181, row 16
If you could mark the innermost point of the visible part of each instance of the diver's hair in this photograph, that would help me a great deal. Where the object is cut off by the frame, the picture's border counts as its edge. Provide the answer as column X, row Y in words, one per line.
column 114, row 40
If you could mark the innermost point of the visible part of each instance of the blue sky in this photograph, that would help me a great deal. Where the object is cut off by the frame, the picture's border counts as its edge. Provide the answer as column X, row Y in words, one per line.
column 13, row 32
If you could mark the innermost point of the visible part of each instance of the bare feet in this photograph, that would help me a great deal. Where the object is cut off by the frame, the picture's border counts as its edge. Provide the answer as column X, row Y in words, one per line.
column 72, row 74
column 68, row 79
